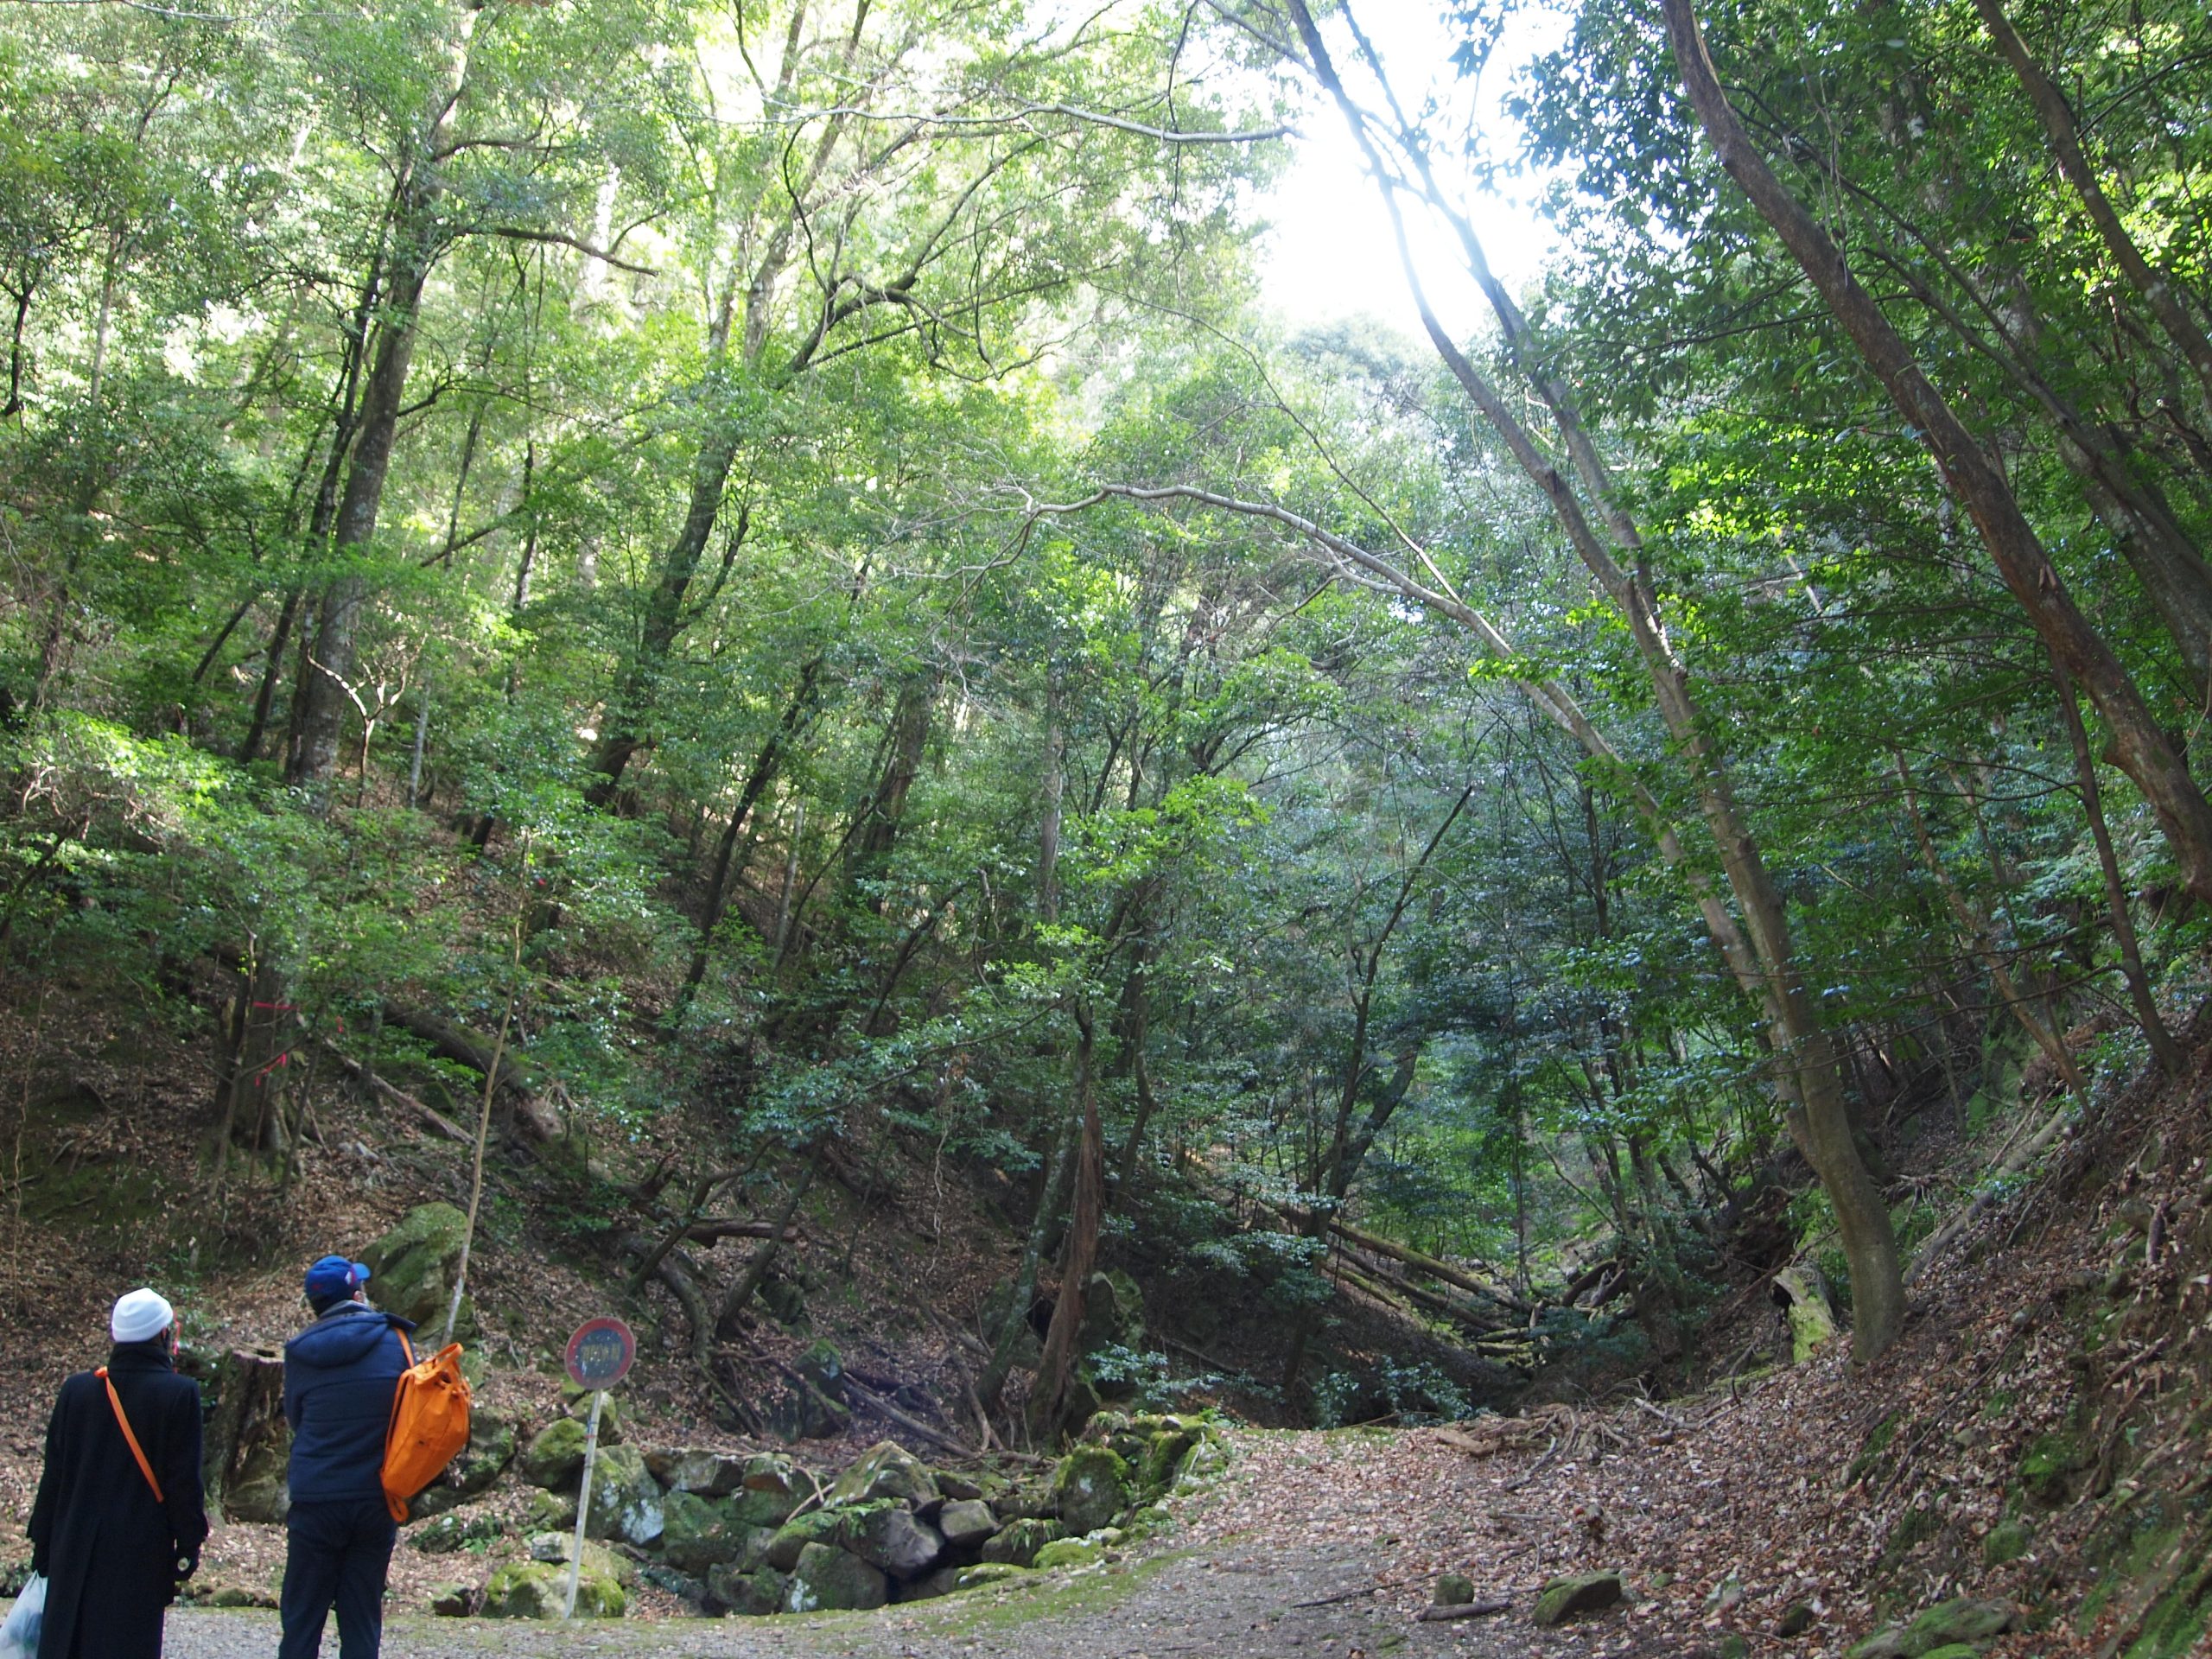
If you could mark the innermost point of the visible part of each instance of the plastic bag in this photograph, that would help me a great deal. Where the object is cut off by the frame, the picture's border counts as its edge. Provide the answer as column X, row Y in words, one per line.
column 19, row 1636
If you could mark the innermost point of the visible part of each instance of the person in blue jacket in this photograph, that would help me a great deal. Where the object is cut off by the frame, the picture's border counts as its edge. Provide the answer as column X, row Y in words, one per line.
column 340, row 1376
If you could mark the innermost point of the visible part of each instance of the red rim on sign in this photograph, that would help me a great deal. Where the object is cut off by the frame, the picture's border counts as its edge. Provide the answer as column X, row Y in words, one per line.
column 600, row 1353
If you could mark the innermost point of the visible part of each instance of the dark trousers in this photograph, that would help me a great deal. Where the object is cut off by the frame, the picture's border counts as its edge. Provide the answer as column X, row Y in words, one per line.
column 338, row 1556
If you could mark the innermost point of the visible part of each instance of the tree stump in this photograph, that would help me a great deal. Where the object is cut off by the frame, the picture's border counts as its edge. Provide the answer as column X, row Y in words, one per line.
column 248, row 1441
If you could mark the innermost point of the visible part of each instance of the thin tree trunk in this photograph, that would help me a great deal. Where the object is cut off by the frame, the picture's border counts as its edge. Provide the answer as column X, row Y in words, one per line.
column 1977, row 931
column 2057, row 118
column 1048, row 1402
column 766, row 766
column 2169, row 1051
column 1060, row 1171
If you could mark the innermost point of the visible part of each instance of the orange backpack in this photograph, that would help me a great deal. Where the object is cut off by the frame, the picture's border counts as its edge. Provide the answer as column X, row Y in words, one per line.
column 430, row 1424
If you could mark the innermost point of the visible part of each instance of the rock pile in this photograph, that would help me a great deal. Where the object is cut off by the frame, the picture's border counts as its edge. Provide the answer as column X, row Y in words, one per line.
column 758, row 1534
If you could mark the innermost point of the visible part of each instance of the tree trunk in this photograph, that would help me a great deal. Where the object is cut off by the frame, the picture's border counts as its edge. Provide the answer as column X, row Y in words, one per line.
column 1059, row 1172
column 880, row 819
column 325, row 690
column 1048, row 1402
column 765, row 765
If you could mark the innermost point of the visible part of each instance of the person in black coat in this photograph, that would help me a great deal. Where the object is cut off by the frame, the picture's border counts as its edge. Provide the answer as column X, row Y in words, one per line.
column 114, row 1554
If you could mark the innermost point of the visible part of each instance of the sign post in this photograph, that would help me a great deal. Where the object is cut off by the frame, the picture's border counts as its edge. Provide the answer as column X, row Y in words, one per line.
column 599, row 1357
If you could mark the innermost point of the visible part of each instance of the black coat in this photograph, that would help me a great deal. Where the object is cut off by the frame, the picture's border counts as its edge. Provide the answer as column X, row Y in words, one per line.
column 109, row 1552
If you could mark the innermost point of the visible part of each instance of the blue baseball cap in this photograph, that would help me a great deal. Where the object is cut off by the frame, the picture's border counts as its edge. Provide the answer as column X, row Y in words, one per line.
column 335, row 1276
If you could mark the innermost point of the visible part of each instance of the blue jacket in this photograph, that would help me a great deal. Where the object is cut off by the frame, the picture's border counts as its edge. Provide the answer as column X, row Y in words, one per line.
column 340, row 1376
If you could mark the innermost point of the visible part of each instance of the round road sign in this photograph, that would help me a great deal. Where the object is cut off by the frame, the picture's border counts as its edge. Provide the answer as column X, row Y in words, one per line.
column 600, row 1353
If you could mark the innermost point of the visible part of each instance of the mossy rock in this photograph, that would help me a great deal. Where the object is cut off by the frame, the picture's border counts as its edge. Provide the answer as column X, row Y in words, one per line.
column 755, row 1593
column 704, row 1474
column 1149, row 1521
column 627, row 1502
column 1016, row 1543
column 815, row 1527
column 413, row 1266
column 537, row 1589
column 1453, row 1590
column 2048, row 1468
column 1092, row 1487
column 698, row 1532
column 1962, row 1621
column 577, row 1403
column 1954, row 1650
column 895, row 1540
column 826, row 1578
column 448, row 1533
column 988, row 1572
column 555, row 1548
column 549, row 1512
column 1163, row 1455
column 966, row 1522
column 555, row 1457
column 1067, row 1552
column 885, row 1469
column 490, row 1448
column 2007, row 1541
column 1582, row 1592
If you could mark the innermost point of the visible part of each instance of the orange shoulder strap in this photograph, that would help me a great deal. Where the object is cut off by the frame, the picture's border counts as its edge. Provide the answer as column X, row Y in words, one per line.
column 124, row 1423
column 398, row 1389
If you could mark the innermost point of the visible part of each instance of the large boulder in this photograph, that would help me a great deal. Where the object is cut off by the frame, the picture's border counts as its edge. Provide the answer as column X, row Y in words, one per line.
column 555, row 1458
column 886, row 1470
column 769, row 1492
column 966, row 1523
column 785, row 1544
column 1092, row 1485
column 577, row 1403
column 707, row 1474
column 826, row 1578
column 698, row 1532
column 412, row 1269
column 627, row 1502
column 537, row 1589
column 892, row 1539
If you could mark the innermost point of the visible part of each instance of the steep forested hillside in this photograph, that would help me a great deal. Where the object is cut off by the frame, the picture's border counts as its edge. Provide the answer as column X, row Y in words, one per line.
column 729, row 637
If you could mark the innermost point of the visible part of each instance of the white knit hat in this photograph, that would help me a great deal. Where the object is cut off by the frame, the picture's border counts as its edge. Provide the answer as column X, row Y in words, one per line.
column 139, row 1315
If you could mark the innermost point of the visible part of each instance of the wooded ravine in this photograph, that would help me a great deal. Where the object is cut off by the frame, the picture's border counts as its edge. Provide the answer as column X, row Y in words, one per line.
column 717, row 664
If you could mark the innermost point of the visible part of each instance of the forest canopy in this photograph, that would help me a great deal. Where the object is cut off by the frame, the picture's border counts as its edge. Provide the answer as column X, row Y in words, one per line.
column 767, row 566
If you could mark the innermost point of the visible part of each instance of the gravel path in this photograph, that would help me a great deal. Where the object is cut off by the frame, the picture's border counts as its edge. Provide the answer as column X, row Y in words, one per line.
column 1213, row 1604
column 1241, row 1603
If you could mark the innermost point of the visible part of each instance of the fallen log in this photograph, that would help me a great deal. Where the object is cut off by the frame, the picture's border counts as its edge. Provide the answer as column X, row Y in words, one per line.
column 1426, row 1265
column 1391, row 1289
column 430, row 1116
column 521, row 1083
column 711, row 1232
column 1483, row 1609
